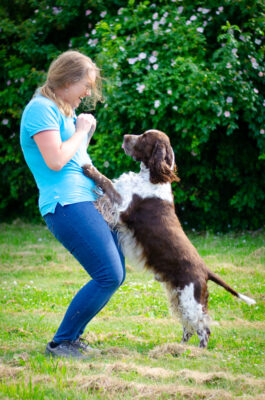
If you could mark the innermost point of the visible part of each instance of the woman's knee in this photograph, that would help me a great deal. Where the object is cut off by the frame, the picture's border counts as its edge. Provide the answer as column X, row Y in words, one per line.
column 112, row 272
column 114, row 278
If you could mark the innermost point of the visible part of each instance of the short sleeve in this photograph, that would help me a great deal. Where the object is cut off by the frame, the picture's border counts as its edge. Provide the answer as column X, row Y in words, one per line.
column 41, row 116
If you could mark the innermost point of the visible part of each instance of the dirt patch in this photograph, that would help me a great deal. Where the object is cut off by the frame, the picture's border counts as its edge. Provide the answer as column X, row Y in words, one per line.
column 9, row 372
column 260, row 325
column 115, row 387
column 176, row 350
column 194, row 376
column 149, row 372
column 258, row 253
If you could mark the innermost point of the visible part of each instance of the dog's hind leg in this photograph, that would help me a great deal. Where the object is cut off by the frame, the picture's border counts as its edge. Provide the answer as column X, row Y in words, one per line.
column 203, row 335
column 187, row 334
column 193, row 315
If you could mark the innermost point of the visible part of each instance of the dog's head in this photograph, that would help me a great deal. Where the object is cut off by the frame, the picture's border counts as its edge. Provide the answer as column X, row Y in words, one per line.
column 154, row 150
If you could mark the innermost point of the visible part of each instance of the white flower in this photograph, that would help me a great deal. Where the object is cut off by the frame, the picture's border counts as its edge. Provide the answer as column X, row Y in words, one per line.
column 200, row 29
column 88, row 12
column 140, row 87
column 220, row 9
column 152, row 59
column 193, row 18
column 120, row 11
column 177, row 18
column 157, row 103
column 106, row 164
column 147, row 21
column 262, row 131
column 258, row 41
column 5, row 121
column 155, row 16
column 163, row 21
column 227, row 114
column 113, row 37
column 122, row 48
column 261, row 74
column 155, row 25
column 188, row 22
column 169, row 91
column 254, row 63
column 55, row 11
column 152, row 112
column 228, row 65
column 205, row 10
column 175, row 108
column 132, row 60
column 103, row 13
column 256, row 90
column 229, row 99
column 180, row 9
column 142, row 56
column 94, row 32
column 155, row 66
column 234, row 51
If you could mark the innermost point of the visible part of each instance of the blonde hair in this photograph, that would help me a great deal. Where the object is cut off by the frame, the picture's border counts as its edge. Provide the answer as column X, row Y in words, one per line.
column 70, row 67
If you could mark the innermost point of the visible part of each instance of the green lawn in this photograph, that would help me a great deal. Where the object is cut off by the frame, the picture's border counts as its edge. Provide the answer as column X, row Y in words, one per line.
column 141, row 355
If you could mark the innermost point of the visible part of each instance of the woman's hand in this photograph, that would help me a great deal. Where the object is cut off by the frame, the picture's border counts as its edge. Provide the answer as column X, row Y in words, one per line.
column 86, row 123
column 57, row 153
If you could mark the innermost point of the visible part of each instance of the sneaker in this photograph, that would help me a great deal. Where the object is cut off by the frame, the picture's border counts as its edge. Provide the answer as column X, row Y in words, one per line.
column 64, row 349
column 83, row 345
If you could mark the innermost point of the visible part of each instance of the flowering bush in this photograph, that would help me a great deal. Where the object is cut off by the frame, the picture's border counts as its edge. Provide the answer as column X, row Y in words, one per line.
column 196, row 73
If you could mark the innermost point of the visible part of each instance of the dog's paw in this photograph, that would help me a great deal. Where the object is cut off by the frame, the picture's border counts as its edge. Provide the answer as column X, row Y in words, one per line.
column 88, row 170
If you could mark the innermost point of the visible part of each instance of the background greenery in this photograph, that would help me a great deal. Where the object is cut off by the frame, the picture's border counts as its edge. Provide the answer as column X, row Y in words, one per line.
column 191, row 68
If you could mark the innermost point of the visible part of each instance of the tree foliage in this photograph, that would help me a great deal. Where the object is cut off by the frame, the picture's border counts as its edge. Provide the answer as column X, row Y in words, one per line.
column 194, row 71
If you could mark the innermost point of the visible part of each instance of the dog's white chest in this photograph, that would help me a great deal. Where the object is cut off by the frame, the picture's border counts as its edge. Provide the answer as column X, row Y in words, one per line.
column 132, row 183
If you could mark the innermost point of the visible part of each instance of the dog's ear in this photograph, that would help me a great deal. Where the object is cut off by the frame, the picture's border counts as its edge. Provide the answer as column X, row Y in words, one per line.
column 161, row 164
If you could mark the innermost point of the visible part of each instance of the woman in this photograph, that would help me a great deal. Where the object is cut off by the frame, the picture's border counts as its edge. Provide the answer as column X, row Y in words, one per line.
column 54, row 142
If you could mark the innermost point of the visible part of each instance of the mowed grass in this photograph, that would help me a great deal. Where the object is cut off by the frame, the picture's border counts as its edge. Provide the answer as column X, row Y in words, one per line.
column 141, row 355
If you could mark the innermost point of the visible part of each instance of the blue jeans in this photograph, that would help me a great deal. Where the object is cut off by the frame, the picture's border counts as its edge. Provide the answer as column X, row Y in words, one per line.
column 83, row 231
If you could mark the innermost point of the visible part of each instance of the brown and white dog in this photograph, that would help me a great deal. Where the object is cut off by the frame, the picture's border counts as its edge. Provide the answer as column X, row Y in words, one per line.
column 140, row 207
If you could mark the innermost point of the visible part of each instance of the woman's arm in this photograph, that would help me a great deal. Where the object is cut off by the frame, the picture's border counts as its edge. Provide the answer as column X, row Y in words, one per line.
column 57, row 153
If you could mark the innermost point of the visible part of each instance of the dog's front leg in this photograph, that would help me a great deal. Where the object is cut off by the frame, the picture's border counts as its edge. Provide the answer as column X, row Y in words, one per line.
column 103, row 182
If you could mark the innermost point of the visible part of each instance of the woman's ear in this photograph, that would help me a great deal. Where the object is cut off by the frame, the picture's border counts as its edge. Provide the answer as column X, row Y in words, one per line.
column 160, row 169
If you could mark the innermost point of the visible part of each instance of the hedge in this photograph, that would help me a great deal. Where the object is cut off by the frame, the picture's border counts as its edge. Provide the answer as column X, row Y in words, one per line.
column 193, row 69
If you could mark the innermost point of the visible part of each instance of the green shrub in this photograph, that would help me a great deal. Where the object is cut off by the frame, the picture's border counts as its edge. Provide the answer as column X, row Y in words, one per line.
column 193, row 71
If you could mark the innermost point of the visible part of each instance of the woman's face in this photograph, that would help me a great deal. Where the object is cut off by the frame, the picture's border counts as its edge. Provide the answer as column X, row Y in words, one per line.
column 75, row 92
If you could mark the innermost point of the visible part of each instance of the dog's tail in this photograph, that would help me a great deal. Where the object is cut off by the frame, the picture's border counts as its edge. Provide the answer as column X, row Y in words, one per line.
column 215, row 278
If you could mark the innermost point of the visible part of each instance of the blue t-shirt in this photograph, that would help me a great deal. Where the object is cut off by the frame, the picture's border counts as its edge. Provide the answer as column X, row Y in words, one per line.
column 69, row 185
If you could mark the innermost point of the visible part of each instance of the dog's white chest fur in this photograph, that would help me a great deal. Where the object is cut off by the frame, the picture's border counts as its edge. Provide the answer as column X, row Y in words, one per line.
column 132, row 183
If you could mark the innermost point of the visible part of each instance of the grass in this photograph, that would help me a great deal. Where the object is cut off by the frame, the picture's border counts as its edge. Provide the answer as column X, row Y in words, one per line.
column 141, row 355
